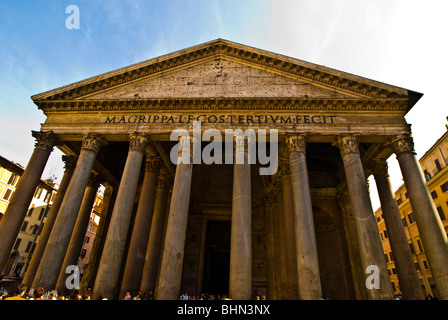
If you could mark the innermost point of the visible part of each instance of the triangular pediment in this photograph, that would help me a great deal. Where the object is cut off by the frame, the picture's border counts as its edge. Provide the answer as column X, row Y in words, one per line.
column 218, row 78
column 221, row 69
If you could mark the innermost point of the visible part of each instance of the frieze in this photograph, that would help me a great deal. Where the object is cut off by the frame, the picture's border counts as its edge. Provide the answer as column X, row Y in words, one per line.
column 248, row 119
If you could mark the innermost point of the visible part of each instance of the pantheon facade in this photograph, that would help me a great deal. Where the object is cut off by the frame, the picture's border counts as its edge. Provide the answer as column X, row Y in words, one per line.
column 172, row 224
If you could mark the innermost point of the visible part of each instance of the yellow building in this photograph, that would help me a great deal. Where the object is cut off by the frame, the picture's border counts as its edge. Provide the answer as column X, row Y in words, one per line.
column 25, row 243
column 434, row 164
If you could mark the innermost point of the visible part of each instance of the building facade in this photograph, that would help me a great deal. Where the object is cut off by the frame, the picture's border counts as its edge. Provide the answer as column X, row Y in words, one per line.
column 31, row 227
column 230, row 170
column 434, row 165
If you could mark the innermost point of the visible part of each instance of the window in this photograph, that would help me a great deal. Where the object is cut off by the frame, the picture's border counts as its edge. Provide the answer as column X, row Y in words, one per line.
column 427, row 175
column 24, row 225
column 438, row 166
column 7, row 194
column 28, row 246
column 385, row 234
column 86, row 239
column 441, row 213
column 38, row 192
column 411, row 217
column 425, row 264
column 30, row 212
column 41, row 214
column 399, row 201
column 434, row 194
column 47, row 197
column 13, row 179
column 83, row 252
column 444, row 187
column 35, row 229
column 412, row 248
column 90, row 226
column 420, row 246
column 405, row 224
column 17, row 244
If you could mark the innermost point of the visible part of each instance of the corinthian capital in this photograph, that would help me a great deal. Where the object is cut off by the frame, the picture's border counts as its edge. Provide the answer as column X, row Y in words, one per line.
column 69, row 163
column 379, row 168
column 403, row 143
column 138, row 142
column 45, row 140
column 348, row 144
column 93, row 142
column 296, row 143
column 164, row 181
column 153, row 164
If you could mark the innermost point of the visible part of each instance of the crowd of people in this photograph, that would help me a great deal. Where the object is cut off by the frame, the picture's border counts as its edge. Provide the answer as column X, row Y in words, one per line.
column 39, row 294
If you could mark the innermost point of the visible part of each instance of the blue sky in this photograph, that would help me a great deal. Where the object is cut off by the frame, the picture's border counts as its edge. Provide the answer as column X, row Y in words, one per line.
column 403, row 43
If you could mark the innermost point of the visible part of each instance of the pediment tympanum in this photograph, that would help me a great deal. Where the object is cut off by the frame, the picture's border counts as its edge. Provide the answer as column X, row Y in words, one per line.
column 221, row 70
column 218, row 78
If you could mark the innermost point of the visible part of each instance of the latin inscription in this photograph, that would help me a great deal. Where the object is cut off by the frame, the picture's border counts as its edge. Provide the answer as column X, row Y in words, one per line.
column 222, row 118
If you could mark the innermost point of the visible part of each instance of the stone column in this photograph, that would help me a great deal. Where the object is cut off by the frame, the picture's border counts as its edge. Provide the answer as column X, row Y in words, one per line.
column 404, row 262
column 309, row 284
column 70, row 162
column 51, row 263
column 240, row 280
column 170, row 275
column 88, row 277
column 20, row 201
column 79, row 231
column 288, row 233
column 371, row 251
column 429, row 224
column 140, row 232
column 152, row 257
column 270, row 200
column 112, row 256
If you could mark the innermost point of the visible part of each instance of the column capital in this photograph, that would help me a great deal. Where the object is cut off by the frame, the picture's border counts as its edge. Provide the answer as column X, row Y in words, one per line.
column 138, row 142
column 240, row 144
column 283, row 167
column 94, row 179
column 45, row 140
column 164, row 181
column 296, row 143
column 403, row 143
column 153, row 164
column 379, row 167
column 69, row 162
column 93, row 142
column 348, row 144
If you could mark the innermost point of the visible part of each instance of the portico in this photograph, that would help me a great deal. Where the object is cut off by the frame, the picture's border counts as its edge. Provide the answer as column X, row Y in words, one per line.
column 306, row 231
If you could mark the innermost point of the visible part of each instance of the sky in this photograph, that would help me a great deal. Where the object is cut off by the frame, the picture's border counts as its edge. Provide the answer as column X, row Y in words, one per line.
column 402, row 43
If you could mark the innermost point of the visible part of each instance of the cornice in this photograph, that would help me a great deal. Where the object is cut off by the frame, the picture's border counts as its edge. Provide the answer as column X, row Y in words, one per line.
column 221, row 49
column 185, row 104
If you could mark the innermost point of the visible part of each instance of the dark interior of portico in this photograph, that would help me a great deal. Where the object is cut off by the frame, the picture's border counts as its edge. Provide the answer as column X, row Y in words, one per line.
column 207, row 246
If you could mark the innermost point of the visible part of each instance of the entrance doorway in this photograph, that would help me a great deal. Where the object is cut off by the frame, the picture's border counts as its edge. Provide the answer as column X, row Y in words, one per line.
column 217, row 258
